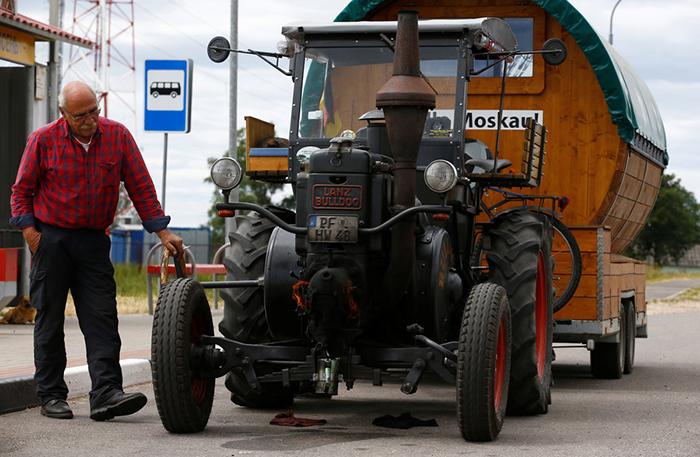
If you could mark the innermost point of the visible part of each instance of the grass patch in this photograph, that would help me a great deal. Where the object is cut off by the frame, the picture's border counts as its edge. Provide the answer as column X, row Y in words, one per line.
column 654, row 274
column 132, row 290
column 689, row 295
column 131, row 280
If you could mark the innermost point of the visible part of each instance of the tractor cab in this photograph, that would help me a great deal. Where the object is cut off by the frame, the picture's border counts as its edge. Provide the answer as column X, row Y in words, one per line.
column 338, row 69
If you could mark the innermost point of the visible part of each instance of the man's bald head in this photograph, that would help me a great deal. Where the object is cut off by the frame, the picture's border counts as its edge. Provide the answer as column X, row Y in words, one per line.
column 75, row 90
column 79, row 107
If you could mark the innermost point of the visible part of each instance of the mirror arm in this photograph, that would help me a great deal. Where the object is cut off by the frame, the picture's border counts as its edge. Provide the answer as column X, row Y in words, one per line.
column 275, row 65
column 260, row 54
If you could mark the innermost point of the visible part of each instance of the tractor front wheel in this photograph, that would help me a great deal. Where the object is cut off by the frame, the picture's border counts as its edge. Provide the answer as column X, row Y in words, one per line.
column 184, row 400
column 483, row 366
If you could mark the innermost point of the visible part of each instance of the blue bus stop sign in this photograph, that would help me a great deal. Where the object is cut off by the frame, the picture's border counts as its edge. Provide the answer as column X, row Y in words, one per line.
column 168, row 102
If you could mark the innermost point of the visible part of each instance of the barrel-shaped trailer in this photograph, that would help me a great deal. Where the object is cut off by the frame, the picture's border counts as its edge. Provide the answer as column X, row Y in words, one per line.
column 606, row 153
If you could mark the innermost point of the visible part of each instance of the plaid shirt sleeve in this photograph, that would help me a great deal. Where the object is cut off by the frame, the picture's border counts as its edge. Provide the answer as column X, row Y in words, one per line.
column 139, row 185
column 28, row 175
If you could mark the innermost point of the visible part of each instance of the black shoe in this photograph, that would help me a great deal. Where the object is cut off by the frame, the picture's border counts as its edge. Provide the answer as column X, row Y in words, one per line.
column 57, row 409
column 120, row 404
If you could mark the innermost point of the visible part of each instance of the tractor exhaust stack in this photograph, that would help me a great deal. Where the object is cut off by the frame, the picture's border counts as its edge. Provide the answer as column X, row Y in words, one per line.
column 405, row 99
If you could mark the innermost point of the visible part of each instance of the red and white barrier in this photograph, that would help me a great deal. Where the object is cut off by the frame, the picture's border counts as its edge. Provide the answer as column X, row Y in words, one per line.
column 8, row 274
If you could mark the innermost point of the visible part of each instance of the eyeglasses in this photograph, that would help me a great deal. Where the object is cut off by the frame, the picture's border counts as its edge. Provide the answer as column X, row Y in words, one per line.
column 94, row 113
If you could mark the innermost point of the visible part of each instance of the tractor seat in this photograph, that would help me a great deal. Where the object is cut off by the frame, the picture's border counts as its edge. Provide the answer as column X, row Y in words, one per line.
column 530, row 173
column 481, row 165
column 479, row 158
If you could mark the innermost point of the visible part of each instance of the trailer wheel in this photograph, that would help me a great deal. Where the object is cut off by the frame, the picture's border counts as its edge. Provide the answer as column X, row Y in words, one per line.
column 244, row 308
column 608, row 359
column 483, row 367
column 520, row 260
column 630, row 337
column 182, row 314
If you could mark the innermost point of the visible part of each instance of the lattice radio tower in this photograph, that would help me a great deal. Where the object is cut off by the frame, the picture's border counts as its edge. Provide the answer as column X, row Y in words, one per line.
column 112, row 62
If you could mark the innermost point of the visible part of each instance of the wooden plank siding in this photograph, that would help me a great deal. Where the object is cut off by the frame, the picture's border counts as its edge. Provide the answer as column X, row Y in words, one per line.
column 605, row 276
column 608, row 183
column 633, row 201
column 592, row 297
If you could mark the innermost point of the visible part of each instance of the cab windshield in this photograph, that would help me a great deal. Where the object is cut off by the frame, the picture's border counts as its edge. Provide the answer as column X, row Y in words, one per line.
column 340, row 85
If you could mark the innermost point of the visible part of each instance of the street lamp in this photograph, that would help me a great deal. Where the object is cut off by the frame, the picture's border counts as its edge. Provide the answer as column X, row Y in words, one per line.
column 610, row 38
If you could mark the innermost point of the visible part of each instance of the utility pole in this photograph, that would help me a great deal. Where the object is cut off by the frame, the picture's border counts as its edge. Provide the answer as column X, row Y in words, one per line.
column 610, row 37
column 54, row 85
column 230, row 223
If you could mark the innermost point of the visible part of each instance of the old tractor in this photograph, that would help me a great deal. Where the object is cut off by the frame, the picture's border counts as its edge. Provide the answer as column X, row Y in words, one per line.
column 371, row 277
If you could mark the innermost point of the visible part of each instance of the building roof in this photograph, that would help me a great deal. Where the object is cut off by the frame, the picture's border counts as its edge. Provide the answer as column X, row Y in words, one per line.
column 41, row 31
column 630, row 102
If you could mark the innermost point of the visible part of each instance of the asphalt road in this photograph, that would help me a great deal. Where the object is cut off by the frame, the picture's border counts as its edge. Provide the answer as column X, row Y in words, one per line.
column 668, row 289
column 653, row 411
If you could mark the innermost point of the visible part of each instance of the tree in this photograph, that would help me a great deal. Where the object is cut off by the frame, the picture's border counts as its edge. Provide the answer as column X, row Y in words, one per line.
column 673, row 226
column 249, row 191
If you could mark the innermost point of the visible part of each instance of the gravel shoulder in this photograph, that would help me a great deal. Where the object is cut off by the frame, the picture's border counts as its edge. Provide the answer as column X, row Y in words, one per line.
column 673, row 306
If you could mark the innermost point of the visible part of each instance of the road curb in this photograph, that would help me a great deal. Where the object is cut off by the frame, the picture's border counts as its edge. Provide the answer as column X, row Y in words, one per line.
column 19, row 392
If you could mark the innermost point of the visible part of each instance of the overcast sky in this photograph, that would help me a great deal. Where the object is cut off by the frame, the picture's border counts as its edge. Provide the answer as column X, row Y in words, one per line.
column 659, row 38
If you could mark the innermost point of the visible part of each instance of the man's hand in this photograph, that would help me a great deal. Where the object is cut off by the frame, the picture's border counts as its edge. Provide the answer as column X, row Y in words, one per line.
column 172, row 242
column 32, row 236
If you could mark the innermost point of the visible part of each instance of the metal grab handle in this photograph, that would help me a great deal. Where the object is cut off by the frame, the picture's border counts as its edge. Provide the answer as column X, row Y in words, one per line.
column 180, row 267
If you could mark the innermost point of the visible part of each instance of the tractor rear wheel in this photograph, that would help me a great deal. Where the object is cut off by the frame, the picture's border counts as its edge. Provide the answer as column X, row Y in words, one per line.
column 520, row 261
column 566, row 263
column 244, row 308
column 483, row 363
column 183, row 399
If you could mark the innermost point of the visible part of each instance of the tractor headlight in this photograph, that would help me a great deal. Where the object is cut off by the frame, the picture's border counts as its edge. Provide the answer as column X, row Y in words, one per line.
column 440, row 176
column 226, row 173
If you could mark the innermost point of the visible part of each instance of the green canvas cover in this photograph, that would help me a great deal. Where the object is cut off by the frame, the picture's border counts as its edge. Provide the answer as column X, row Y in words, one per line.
column 630, row 102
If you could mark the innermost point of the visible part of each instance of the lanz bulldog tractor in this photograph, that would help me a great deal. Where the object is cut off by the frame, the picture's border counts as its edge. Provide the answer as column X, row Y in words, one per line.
column 373, row 276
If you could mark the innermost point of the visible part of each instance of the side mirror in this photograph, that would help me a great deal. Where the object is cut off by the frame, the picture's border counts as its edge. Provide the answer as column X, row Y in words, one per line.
column 219, row 49
column 554, row 51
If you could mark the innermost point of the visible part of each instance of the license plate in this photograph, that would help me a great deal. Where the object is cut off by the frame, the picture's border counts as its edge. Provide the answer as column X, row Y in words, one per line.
column 332, row 229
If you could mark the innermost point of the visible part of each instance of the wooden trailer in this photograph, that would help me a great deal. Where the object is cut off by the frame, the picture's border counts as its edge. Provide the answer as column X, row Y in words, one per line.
column 606, row 151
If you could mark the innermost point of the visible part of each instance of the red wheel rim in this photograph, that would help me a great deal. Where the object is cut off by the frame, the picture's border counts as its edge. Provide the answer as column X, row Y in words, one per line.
column 500, row 368
column 199, row 386
column 541, row 315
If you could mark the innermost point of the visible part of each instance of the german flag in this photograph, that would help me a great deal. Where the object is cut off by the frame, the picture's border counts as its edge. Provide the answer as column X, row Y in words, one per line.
column 332, row 125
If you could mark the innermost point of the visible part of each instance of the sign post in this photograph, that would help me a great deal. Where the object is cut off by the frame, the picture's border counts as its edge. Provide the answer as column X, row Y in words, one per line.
column 168, row 101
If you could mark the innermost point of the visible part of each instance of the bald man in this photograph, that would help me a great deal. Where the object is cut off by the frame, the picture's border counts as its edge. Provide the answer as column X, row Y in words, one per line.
column 64, row 198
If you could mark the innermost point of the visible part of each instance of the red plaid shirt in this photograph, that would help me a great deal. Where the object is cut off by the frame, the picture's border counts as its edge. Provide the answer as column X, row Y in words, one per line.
column 61, row 184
